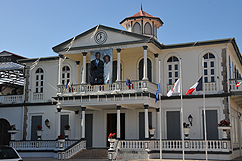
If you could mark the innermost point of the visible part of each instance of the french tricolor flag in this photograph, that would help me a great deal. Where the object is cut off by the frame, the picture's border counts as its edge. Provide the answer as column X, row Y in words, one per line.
column 198, row 86
column 239, row 83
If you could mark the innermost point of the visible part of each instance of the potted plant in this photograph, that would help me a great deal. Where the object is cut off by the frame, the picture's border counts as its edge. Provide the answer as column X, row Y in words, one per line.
column 152, row 131
column 111, row 140
column 12, row 130
column 186, row 130
column 67, row 131
column 61, row 140
column 39, row 132
column 224, row 125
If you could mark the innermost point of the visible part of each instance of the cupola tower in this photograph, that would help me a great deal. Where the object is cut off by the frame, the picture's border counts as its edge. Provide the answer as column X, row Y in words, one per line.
column 142, row 23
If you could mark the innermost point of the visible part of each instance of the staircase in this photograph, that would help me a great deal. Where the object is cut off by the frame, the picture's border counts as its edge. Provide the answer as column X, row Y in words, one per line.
column 92, row 154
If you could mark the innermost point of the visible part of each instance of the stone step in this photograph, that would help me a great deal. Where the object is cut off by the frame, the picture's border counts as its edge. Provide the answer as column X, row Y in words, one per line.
column 92, row 154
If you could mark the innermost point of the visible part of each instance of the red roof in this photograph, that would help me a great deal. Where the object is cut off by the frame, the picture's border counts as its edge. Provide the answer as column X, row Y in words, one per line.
column 142, row 14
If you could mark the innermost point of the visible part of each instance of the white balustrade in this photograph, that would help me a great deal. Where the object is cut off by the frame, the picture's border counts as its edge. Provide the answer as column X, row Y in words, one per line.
column 135, row 85
column 176, row 145
column 68, row 153
column 38, row 96
column 39, row 145
column 9, row 99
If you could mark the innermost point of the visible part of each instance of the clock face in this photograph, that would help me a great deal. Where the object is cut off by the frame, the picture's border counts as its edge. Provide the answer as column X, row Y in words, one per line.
column 100, row 37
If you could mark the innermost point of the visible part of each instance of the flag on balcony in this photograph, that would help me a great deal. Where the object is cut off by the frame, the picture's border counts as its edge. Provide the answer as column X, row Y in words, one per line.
column 175, row 88
column 67, row 85
column 128, row 83
column 157, row 93
column 239, row 83
column 198, row 86
column 72, row 89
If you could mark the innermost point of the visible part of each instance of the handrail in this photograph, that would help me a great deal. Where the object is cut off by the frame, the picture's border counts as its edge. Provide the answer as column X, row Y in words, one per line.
column 71, row 150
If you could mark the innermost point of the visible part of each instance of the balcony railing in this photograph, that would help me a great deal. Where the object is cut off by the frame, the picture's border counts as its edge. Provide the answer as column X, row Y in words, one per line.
column 136, row 85
column 38, row 96
column 209, row 87
column 11, row 99
column 176, row 145
column 233, row 83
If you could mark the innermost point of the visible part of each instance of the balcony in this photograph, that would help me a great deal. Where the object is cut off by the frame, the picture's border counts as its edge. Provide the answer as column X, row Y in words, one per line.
column 232, row 87
column 12, row 99
column 115, row 88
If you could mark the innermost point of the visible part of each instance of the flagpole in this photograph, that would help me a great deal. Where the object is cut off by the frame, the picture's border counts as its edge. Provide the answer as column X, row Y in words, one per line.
column 204, row 113
column 160, row 115
column 183, row 152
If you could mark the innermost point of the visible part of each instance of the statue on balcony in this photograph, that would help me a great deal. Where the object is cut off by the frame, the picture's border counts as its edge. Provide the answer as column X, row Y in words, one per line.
column 97, row 70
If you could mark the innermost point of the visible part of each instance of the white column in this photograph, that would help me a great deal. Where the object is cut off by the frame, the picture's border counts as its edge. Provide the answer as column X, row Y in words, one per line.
column 83, row 122
column 118, row 121
column 60, row 69
column 58, row 120
column 84, row 68
column 76, row 125
column 146, row 122
column 118, row 65
column 156, row 69
column 145, row 63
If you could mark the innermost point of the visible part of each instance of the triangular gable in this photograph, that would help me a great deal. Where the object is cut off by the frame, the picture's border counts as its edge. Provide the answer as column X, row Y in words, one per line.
column 114, row 37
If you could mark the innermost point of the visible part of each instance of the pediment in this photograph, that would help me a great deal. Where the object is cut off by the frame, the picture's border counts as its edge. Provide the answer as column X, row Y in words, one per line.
column 101, row 36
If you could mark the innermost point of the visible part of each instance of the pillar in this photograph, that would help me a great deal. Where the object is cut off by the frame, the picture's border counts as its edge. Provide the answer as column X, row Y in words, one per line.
column 83, row 122
column 118, row 121
column 58, row 120
column 79, row 71
column 145, row 77
column 146, row 122
column 156, row 69
column 84, row 70
column 76, row 125
column 118, row 65
column 60, row 69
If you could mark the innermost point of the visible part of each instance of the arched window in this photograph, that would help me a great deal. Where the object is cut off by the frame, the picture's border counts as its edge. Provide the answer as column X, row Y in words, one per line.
column 137, row 28
column 66, row 75
column 39, row 80
column 173, row 69
column 148, row 29
column 149, row 69
column 209, row 67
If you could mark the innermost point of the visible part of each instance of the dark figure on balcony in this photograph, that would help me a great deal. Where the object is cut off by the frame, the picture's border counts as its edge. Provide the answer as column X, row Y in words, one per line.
column 97, row 70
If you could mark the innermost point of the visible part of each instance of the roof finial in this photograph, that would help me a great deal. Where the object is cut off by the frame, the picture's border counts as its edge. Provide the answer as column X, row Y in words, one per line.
column 141, row 7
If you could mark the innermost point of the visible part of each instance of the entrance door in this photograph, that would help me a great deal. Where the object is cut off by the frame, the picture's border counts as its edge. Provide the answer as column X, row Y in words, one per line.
column 142, row 124
column 211, row 124
column 88, row 129
column 112, row 125
column 4, row 135
column 173, row 125
column 35, row 121
column 64, row 122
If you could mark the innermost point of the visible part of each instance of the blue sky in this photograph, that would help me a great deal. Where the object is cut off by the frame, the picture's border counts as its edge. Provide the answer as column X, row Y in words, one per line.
column 32, row 27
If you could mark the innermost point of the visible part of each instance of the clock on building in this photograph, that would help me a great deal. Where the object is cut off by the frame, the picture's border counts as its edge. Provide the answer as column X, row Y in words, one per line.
column 100, row 37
